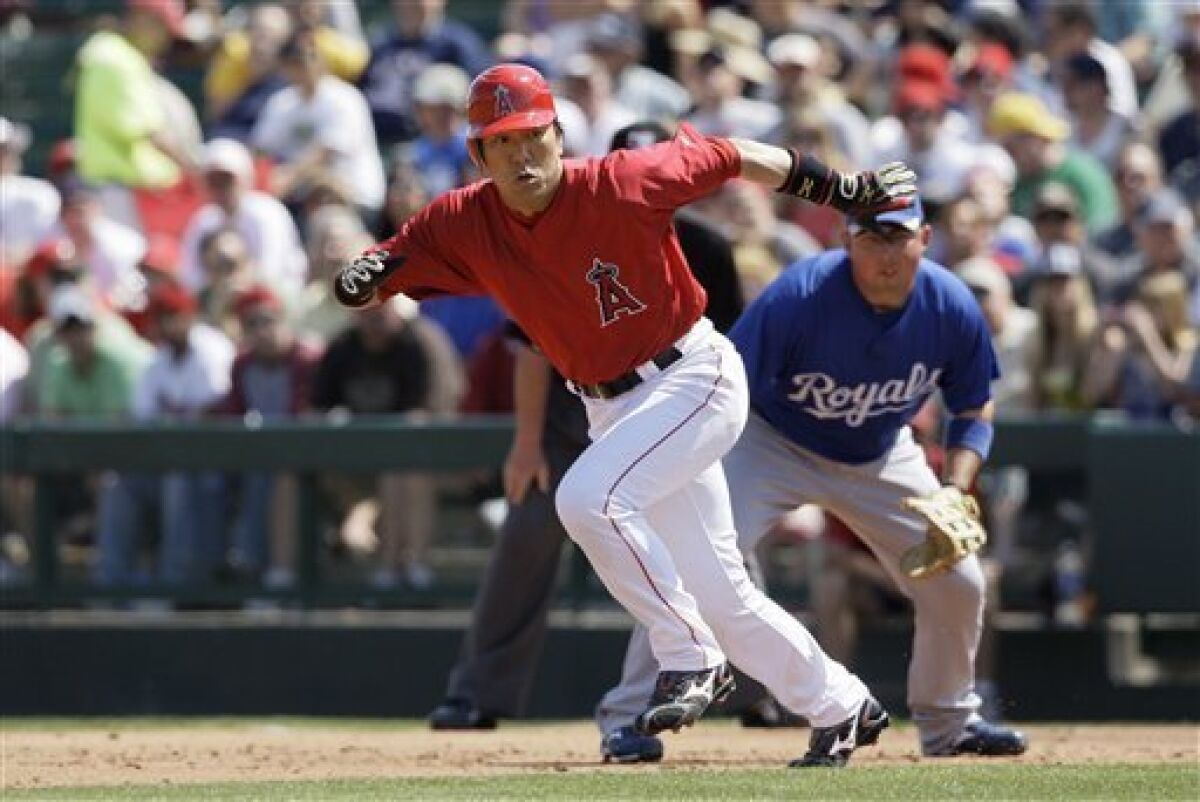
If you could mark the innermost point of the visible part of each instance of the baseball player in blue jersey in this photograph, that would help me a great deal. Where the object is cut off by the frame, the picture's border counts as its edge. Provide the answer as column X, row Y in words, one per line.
column 841, row 351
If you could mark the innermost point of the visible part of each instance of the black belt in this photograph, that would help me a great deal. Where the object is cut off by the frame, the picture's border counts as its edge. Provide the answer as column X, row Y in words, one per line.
column 623, row 384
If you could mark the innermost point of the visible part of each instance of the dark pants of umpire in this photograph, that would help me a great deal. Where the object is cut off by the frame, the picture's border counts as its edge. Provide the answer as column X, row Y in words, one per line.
column 500, row 650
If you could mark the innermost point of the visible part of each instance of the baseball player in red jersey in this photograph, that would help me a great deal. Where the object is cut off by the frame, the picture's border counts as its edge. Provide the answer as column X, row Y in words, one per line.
column 581, row 254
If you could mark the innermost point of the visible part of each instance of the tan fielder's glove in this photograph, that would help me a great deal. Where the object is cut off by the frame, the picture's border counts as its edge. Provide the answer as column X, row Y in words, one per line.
column 954, row 532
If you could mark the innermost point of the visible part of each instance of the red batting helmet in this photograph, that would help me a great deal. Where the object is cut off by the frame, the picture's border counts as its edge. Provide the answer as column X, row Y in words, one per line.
column 509, row 97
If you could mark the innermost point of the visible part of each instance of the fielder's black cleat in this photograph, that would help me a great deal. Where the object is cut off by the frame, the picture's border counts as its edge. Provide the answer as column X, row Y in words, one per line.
column 681, row 697
column 626, row 745
column 985, row 739
column 832, row 746
column 459, row 714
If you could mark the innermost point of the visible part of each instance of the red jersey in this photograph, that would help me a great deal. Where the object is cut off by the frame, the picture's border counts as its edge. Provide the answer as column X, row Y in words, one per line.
column 597, row 280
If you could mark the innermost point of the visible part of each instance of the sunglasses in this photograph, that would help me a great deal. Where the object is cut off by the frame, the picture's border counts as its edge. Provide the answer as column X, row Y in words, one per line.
column 74, row 322
column 1053, row 216
column 918, row 115
column 1132, row 176
column 259, row 321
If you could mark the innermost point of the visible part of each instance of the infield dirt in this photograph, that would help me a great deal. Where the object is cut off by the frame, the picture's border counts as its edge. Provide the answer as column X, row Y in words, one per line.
column 121, row 755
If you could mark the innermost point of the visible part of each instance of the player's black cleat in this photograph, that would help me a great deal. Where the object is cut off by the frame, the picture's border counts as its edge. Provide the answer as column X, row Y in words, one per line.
column 985, row 739
column 681, row 697
column 627, row 745
column 832, row 746
column 459, row 714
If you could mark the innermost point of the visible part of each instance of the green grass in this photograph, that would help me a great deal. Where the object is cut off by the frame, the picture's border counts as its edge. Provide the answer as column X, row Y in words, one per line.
column 916, row 782
column 142, row 723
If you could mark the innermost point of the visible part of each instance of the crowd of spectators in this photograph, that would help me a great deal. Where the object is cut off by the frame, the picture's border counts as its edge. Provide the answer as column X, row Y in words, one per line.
column 173, row 258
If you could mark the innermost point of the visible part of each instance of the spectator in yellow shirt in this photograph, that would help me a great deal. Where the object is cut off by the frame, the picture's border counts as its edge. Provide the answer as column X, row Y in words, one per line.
column 345, row 56
column 122, row 132
column 248, row 57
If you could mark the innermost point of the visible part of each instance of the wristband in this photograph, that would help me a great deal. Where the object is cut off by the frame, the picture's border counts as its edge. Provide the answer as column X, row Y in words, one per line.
column 973, row 433
column 808, row 178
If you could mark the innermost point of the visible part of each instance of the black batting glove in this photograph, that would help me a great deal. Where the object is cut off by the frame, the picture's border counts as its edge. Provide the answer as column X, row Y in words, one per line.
column 893, row 186
column 355, row 284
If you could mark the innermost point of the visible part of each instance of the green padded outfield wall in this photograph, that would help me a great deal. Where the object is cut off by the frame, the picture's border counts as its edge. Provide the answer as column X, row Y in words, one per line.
column 1144, row 489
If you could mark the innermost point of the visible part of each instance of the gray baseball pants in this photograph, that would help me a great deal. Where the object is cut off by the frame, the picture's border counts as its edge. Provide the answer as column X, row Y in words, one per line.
column 769, row 476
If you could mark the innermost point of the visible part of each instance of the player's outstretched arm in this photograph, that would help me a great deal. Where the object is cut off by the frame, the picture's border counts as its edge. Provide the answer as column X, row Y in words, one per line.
column 893, row 186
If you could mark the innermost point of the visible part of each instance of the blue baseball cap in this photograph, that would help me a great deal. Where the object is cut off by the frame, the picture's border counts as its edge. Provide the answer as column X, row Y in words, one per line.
column 910, row 218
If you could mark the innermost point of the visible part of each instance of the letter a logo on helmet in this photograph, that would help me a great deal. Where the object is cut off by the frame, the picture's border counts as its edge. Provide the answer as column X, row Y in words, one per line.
column 509, row 97
column 504, row 104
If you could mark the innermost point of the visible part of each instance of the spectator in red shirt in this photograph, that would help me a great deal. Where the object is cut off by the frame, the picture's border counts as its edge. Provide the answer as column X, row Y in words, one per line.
column 271, row 379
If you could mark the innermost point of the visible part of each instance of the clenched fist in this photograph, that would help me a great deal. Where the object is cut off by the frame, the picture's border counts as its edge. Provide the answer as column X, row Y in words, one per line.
column 355, row 284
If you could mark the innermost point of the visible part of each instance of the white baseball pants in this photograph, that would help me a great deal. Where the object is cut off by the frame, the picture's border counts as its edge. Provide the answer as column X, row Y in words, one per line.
column 648, row 504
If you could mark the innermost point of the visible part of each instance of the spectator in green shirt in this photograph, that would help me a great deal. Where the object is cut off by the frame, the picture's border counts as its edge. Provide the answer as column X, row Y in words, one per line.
column 1036, row 140
column 84, row 378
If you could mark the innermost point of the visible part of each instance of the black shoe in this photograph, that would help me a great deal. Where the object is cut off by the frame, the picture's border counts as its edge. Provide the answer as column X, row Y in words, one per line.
column 459, row 714
column 987, row 740
column 626, row 745
column 832, row 746
column 681, row 697
column 768, row 714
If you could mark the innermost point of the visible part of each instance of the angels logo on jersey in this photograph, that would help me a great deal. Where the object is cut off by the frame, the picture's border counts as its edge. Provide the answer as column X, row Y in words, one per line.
column 504, row 102
column 613, row 297
column 821, row 396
